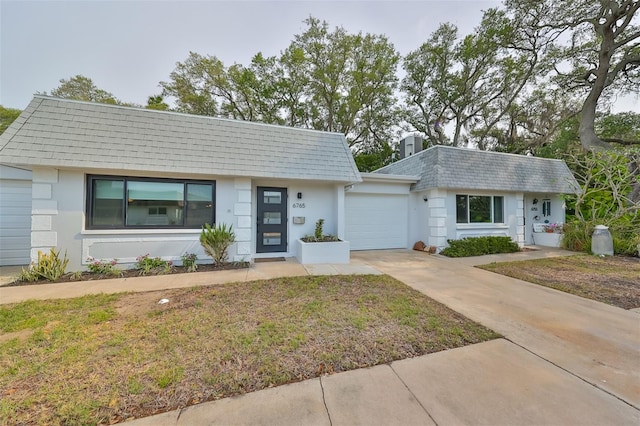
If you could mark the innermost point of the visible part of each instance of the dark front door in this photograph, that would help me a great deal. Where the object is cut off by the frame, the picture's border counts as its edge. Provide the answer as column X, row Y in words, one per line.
column 272, row 220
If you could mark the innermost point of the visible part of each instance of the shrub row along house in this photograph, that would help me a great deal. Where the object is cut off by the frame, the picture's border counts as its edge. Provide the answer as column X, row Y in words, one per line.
column 104, row 181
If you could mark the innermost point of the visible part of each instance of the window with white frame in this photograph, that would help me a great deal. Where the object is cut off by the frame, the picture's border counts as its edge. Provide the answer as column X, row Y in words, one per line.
column 479, row 209
column 115, row 202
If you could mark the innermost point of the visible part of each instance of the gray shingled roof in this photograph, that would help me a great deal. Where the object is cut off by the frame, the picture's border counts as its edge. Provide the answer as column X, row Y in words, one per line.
column 63, row 133
column 461, row 168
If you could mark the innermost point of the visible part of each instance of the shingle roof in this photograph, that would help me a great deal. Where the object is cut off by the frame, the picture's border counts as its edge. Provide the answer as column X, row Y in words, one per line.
column 63, row 133
column 460, row 168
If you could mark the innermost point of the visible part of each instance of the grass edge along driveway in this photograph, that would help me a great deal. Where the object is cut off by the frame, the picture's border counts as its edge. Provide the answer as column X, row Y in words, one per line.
column 613, row 280
column 108, row 358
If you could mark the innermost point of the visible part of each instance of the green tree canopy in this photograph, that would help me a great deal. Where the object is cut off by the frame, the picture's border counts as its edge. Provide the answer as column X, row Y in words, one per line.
column 594, row 47
column 325, row 80
column 473, row 83
column 157, row 102
column 7, row 116
column 82, row 88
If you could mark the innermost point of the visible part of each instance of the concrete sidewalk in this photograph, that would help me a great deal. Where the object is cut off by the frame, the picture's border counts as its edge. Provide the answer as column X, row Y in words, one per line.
column 493, row 383
column 258, row 271
column 564, row 359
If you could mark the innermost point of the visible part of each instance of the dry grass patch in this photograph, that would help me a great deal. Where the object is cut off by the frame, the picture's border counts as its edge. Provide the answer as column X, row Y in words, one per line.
column 108, row 358
column 613, row 280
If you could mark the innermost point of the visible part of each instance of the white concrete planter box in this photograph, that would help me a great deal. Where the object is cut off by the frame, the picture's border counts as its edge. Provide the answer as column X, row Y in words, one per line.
column 325, row 252
column 547, row 239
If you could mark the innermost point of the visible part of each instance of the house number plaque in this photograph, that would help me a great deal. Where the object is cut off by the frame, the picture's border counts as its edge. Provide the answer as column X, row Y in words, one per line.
column 298, row 205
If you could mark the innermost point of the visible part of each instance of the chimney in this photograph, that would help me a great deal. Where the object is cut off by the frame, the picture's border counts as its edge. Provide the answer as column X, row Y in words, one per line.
column 410, row 145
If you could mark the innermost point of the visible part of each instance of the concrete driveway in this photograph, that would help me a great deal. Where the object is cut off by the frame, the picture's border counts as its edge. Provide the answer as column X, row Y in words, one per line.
column 595, row 342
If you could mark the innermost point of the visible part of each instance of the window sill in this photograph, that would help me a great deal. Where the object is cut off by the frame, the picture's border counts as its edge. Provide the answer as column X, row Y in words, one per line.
column 481, row 225
column 140, row 231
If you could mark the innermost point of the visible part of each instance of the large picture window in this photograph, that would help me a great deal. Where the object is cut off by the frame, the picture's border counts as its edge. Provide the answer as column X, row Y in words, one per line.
column 479, row 209
column 128, row 202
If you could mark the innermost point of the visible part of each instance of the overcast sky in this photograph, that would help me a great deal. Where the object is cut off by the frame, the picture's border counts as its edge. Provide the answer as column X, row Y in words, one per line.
column 128, row 47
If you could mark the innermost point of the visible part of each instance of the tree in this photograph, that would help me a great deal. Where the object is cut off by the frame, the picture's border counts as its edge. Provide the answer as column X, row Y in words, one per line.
column 7, row 116
column 600, row 46
column 534, row 123
column 324, row 80
column 157, row 102
column 373, row 159
column 605, row 198
column 622, row 128
column 475, row 82
column 82, row 88
column 191, row 84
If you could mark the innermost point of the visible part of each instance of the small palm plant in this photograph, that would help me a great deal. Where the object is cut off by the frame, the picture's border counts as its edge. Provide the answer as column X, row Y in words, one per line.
column 216, row 241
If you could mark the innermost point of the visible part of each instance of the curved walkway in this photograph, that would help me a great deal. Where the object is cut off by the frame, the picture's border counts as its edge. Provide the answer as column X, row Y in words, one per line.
column 564, row 359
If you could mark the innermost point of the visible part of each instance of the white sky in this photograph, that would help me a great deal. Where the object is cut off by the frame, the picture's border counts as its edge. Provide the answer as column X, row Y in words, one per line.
column 128, row 47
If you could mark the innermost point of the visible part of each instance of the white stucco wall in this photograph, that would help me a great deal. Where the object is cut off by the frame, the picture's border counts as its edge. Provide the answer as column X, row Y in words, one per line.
column 58, row 218
column 434, row 221
column 533, row 212
column 319, row 201
column 461, row 230
column 418, row 218
column 45, row 210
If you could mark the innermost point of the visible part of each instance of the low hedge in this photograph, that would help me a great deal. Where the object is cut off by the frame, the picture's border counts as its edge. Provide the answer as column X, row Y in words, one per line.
column 478, row 246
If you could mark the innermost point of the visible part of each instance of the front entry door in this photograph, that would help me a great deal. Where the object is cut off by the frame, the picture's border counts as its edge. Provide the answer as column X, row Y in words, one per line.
column 272, row 220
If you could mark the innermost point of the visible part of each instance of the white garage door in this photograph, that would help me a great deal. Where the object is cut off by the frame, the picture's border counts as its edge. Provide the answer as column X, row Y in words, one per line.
column 15, row 222
column 376, row 221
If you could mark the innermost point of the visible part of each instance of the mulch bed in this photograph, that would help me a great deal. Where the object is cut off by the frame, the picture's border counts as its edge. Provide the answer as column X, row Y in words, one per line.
column 131, row 273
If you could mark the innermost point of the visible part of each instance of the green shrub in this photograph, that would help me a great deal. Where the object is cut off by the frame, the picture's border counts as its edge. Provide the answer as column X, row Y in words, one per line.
column 478, row 246
column 49, row 267
column 217, row 240
column 606, row 182
column 319, row 232
column 624, row 231
column 101, row 267
column 26, row 276
column 189, row 261
column 577, row 235
column 318, row 235
column 154, row 266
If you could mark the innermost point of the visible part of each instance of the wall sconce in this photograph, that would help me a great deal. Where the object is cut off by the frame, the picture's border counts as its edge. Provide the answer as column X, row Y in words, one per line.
column 425, row 198
column 299, row 195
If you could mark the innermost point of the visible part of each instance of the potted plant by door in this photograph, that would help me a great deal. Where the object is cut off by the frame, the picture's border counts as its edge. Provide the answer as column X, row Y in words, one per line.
column 322, row 248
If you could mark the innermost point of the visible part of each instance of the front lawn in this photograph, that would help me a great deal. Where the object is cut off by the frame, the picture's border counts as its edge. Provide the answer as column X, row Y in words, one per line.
column 108, row 358
column 613, row 280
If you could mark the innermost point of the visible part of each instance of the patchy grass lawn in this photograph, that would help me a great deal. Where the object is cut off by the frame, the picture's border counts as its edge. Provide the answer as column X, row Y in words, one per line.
column 108, row 358
column 613, row 280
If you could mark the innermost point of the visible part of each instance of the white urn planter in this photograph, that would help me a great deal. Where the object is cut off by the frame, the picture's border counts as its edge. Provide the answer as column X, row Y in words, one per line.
column 322, row 252
column 547, row 239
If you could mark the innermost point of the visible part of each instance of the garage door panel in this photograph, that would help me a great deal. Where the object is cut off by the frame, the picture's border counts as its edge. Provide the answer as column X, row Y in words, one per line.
column 376, row 221
column 15, row 222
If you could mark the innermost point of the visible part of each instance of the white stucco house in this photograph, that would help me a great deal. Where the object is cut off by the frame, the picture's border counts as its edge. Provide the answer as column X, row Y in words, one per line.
column 118, row 182
column 107, row 181
column 459, row 192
